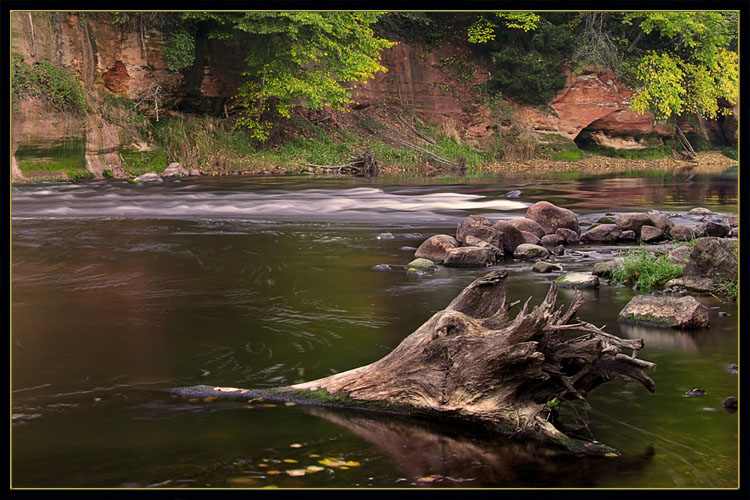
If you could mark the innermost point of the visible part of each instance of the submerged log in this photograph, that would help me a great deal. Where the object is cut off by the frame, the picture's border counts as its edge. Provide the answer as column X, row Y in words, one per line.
column 473, row 364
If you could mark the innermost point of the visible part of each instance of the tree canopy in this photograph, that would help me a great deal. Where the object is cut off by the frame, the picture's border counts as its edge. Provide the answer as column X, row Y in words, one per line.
column 299, row 58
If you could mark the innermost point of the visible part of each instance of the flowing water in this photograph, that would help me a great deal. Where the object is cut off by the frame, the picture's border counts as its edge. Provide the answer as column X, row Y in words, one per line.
column 121, row 291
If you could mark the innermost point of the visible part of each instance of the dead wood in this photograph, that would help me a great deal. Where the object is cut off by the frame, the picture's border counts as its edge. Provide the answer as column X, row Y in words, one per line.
column 472, row 363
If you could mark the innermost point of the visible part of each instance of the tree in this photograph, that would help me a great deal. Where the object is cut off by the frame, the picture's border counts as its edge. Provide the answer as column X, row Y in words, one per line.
column 689, row 67
column 299, row 58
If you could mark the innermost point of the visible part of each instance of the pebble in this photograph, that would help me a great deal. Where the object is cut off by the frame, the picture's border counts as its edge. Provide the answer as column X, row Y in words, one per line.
column 730, row 404
column 696, row 392
column 381, row 267
column 732, row 368
column 723, row 314
column 385, row 236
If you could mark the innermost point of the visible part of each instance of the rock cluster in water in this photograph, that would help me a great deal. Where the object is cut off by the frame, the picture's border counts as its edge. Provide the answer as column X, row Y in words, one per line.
column 174, row 169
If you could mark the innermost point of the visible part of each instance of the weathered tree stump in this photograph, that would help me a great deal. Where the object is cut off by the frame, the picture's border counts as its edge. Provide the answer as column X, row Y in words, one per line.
column 473, row 364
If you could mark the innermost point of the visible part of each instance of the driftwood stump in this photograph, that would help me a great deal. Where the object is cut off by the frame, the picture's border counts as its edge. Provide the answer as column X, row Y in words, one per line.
column 473, row 364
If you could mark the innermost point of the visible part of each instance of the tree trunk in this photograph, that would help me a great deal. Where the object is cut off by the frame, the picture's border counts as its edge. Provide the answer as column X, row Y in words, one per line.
column 471, row 363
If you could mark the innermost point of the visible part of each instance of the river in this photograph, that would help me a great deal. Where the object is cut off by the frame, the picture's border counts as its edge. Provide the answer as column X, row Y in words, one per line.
column 120, row 291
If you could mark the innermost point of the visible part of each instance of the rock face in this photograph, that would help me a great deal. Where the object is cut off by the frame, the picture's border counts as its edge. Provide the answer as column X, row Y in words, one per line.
column 469, row 257
column 603, row 233
column 578, row 280
column 436, row 247
column 664, row 311
column 551, row 217
column 712, row 263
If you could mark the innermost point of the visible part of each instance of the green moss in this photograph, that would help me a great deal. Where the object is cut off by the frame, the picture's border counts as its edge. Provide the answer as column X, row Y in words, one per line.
column 139, row 162
column 66, row 156
column 107, row 174
column 730, row 153
column 568, row 155
column 605, row 220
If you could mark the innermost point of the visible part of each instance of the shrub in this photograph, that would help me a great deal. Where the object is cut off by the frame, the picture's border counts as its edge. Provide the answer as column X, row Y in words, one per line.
column 646, row 270
column 55, row 84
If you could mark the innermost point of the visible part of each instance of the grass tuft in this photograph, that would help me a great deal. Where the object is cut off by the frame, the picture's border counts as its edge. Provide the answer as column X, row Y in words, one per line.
column 646, row 270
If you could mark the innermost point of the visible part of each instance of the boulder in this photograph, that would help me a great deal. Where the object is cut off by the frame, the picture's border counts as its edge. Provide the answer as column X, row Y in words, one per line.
column 545, row 267
column 660, row 220
column 603, row 233
column 527, row 251
column 712, row 229
column 632, row 221
column 531, row 238
column 149, row 177
column 699, row 211
column 528, row 225
column 421, row 264
column 478, row 226
column 578, row 280
column 605, row 269
column 628, row 235
column 552, row 240
column 473, row 241
column 509, row 235
column 384, row 236
column 469, row 257
column 650, row 234
column 558, row 250
column 436, row 247
column 194, row 172
column 665, row 311
column 570, row 236
column 682, row 233
column 381, row 267
column 680, row 255
column 174, row 169
column 712, row 263
column 551, row 217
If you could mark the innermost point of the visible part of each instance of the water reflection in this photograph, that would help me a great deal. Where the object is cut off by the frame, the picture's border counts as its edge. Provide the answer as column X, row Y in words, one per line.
column 454, row 457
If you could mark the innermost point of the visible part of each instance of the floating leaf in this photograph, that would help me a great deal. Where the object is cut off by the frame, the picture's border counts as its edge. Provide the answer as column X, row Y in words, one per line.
column 273, row 472
column 344, row 467
column 290, row 404
column 295, row 445
column 313, row 455
column 296, row 472
column 267, row 405
column 352, row 463
column 243, row 481
column 314, row 468
column 254, row 400
column 193, row 400
column 262, row 465
column 332, row 462
column 249, row 407
column 228, row 389
column 611, row 455
column 290, row 461
column 429, row 479
column 209, row 399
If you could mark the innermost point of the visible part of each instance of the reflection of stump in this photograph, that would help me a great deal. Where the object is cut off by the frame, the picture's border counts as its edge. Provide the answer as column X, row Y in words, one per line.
column 471, row 363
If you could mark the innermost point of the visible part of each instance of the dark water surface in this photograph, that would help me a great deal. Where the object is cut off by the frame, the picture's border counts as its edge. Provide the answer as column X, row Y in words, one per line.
column 120, row 291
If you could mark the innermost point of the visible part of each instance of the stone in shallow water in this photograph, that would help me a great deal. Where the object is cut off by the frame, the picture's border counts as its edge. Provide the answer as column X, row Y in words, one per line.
column 605, row 268
column 650, row 234
column 682, row 233
column 578, row 280
column 712, row 264
column 665, row 311
column 469, row 257
column 730, row 404
column 422, row 265
column 545, row 267
column 699, row 211
column 527, row 251
column 603, row 233
column 436, row 247
column 551, row 217
column 381, row 267
column 384, row 236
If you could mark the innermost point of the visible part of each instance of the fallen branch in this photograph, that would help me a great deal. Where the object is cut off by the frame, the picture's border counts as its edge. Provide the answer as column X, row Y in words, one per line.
column 471, row 363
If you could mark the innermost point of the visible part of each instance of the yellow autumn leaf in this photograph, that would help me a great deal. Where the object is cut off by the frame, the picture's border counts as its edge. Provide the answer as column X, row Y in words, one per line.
column 296, row 472
column 290, row 461
column 332, row 462
column 209, row 399
column 273, row 472
column 314, row 468
column 352, row 463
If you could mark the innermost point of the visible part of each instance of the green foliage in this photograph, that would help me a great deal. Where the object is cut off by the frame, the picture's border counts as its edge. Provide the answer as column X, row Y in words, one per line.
column 690, row 66
column 730, row 153
column 571, row 155
column 528, row 65
column 180, row 52
column 107, row 174
column 483, row 30
column 300, row 58
column 730, row 289
column 646, row 270
column 43, row 79
column 137, row 162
